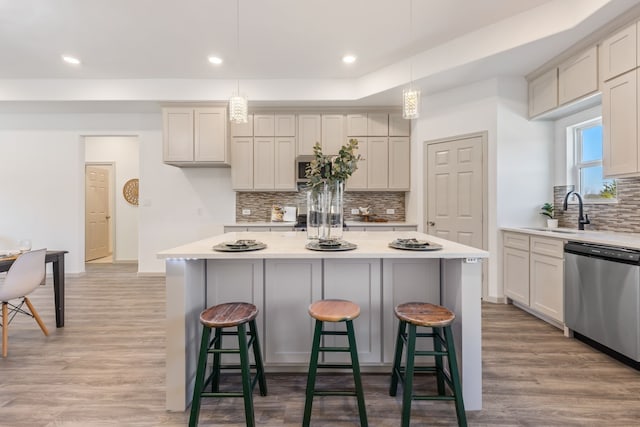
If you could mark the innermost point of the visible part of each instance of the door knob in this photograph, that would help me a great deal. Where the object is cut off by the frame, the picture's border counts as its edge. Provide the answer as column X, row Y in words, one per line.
column 108, row 217
column 431, row 224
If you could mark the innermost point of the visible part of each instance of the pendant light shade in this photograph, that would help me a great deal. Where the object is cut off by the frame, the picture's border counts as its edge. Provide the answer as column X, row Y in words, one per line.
column 238, row 104
column 238, row 109
column 410, row 103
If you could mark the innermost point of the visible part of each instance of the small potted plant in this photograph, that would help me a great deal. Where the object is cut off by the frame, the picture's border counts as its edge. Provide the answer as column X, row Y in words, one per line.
column 547, row 210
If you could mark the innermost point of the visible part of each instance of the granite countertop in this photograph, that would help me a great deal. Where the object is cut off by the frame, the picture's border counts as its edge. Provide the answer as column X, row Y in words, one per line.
column 291, row 244
column 611, row 238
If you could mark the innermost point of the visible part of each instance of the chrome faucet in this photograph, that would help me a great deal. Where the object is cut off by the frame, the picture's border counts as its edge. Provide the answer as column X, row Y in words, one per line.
column 582, row 219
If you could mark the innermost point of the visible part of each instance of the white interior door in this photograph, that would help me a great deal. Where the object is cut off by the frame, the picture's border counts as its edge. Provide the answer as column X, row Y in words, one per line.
column 455, row 188
column 97, row 212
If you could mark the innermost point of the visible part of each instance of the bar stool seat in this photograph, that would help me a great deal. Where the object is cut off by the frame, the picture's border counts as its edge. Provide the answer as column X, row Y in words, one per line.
column 417, row 314
column 217, row 318
column 334, row 310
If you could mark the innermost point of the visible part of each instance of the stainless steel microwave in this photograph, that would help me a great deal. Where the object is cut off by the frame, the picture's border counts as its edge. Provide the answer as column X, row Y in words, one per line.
column 302, row 162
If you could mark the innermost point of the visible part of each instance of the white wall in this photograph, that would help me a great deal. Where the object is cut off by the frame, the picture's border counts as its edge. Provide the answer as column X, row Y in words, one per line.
column 43, row 156
column 122, row 151
column 497, row 106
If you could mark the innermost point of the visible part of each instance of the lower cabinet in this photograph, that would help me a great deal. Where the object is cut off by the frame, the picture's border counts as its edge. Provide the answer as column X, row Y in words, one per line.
column 290, row 287
column 283, row 290
column 533, row 273
column 359, row 281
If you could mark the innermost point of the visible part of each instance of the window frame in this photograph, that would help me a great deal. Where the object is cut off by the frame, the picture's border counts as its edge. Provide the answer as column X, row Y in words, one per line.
column 574, row 146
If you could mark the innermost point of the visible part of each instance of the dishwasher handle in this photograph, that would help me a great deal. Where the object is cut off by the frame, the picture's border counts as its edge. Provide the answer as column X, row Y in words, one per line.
column 610, row 253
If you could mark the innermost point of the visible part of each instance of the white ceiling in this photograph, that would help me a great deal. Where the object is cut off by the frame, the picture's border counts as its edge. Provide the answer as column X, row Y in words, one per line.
column 284, row 44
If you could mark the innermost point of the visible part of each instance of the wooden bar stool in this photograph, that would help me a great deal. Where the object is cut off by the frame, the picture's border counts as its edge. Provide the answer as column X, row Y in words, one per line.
column 334, row 311
column 218, row 317
column 439, row 319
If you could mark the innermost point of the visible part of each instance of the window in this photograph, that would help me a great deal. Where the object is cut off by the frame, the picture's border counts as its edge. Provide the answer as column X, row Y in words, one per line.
column 588, row 177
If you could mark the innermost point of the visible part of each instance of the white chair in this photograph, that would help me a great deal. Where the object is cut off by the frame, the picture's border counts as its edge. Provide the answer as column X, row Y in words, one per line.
column 24, row 276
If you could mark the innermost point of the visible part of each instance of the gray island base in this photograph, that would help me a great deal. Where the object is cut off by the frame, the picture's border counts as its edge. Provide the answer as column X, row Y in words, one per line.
column 285, row 278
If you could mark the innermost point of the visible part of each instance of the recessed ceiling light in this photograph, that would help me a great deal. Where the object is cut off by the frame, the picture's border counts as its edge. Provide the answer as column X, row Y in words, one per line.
column 215, row 60
column 348, row 59
column 70, row 60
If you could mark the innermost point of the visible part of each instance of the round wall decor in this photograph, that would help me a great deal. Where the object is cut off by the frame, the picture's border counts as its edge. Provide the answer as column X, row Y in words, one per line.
column 130, row 191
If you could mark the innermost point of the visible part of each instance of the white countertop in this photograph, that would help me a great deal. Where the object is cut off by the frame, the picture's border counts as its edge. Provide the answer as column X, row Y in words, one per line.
column 349, row 224
column 611, row 238
column 291, row 244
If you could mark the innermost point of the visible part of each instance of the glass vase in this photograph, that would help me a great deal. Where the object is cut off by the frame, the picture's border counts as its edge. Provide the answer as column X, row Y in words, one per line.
column 325, row 211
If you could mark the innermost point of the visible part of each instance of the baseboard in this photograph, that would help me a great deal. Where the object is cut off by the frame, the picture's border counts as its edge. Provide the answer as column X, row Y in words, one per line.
column 495, row 300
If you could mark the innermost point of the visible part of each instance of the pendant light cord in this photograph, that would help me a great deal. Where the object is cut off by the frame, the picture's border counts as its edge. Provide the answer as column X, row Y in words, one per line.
column 238, row 37
column 410, row 41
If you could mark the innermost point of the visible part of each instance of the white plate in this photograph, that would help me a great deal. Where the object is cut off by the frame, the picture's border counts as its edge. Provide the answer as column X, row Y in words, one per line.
column 9, row 252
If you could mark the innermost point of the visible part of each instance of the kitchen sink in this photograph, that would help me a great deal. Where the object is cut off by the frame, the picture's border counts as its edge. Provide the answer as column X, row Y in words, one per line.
column 553, row 230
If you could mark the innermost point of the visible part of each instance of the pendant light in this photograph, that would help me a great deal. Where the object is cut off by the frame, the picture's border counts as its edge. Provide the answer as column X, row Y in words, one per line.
column 410, row 95
column 238, row 104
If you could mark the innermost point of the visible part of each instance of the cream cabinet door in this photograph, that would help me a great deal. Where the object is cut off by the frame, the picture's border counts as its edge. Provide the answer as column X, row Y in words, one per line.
column 547, row 281
column 263, row 163
column 398, row 126
column 618, row 53
column 210, row 140
column 177, row 134
column 242, row 163
column 309, row 132
column 356, row 125
column 515, row 274
column 578, row 76
column 356, row 280
column 243, row 129
column 399, row 163
column 358, row 180
column 619, row 124
column 378, row 163
column 290, row 287
column 543, row 93
column 285, row 159
column 333, row 133
column 405, row 280
column 263, row 125
column 377, row 124
column 285, row 124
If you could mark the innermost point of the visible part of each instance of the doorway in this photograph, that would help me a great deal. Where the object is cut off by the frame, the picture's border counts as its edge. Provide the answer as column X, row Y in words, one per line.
column 98, row 212
column 456, row 191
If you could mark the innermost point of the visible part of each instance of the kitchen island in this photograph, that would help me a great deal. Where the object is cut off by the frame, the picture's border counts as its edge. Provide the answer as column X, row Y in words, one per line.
column 284, row 278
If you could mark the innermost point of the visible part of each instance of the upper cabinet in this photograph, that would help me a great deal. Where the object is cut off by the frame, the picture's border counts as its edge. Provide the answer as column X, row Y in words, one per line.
column 578, row 76
column 620, row 126
column 398, row 125
column 543, row 93
column 356, row 125
column 378, row 124
column 385, row 164
column 243, row 129
column 285, row 124
column 195, row 136
column 309, row 131
column 619, row 53
column 333, row 133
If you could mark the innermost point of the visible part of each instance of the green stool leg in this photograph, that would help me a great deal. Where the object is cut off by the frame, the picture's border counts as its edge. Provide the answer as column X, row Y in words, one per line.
column 407, row 396
column 257, row 355
column 311, row 378
column 395, row 372
column 437, row 346
column 215, row 381
column 455, row 377
column 356, row 374
column 200, row 373
column 247, row 390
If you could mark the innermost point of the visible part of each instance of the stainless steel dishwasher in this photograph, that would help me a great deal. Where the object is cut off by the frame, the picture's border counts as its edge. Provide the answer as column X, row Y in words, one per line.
column 602, row 295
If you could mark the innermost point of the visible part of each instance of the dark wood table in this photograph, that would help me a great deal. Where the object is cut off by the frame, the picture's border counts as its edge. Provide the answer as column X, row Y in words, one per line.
column 57, row 258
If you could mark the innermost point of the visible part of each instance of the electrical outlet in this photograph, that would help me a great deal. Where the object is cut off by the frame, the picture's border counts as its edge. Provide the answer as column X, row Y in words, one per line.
column 355, row 211
column 391, row 211
column 246, row 211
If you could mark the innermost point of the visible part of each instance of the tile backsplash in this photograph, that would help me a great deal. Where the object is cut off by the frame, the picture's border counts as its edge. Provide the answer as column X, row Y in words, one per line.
column 621, row 216
column 378, row 201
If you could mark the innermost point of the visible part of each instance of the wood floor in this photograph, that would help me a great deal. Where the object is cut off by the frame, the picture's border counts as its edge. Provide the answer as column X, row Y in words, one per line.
column 106, row 368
